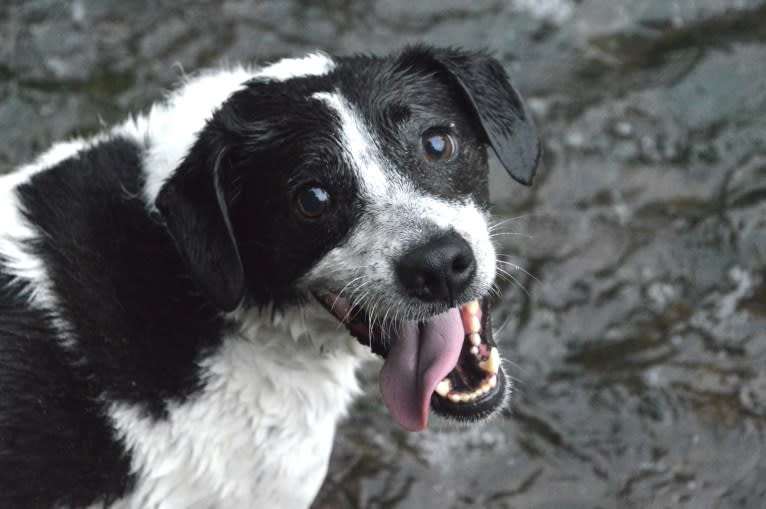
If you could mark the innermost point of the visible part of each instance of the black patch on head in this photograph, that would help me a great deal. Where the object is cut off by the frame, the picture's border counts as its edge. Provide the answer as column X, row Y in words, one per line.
column 265, row 145
column 57, row 448
column 140, row 322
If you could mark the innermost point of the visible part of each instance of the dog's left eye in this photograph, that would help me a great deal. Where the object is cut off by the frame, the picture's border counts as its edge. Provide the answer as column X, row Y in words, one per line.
column 438, row 146
column 312, row 201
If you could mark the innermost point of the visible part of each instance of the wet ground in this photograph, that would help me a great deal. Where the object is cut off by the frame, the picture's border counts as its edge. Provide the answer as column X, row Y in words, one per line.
column 634, row 317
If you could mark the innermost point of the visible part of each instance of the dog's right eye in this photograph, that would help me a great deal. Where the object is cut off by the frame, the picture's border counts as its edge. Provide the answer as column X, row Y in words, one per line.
column 312, row 201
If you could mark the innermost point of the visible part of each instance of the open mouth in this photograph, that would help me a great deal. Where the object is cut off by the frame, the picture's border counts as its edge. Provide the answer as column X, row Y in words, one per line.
column 448, row 362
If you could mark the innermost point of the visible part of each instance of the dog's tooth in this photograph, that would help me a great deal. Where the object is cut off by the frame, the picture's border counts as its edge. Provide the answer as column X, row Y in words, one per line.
column 443, row 387
column 455, row 397
column 474, row 338
column 474, row 350
column 474, row 325
column 472, row 307
column 492, row 381
column 492, row 364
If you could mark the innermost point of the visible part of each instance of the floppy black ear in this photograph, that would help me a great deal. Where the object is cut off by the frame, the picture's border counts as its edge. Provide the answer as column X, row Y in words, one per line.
column 194, row 206
column 499, row 108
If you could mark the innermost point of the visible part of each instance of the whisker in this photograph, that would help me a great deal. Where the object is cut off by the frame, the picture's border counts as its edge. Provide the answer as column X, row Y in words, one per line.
column 492, row 235
column 509, row 275
column 502, row 326
column 497, row 224
column 352, row 298
column 338, row 296
column 520, row 268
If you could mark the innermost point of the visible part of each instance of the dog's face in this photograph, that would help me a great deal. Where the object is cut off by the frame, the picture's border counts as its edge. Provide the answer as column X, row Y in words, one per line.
column 366, row 188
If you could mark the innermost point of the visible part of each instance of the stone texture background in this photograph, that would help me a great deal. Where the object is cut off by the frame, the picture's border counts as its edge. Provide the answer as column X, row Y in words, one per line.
column 636, row 331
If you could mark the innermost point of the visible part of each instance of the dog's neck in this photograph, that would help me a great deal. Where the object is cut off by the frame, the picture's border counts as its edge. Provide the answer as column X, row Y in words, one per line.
column 259, row 433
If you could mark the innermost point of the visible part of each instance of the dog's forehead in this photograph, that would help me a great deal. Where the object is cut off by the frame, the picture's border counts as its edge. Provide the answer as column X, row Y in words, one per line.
column 360, row 120
column 388, row 93
column 381, row 111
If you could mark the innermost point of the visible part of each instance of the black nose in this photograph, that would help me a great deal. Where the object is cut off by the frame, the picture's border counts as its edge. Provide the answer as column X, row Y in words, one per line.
column 438, row 270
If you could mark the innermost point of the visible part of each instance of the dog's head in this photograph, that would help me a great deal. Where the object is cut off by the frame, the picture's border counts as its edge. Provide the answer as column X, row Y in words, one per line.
column 364, row 186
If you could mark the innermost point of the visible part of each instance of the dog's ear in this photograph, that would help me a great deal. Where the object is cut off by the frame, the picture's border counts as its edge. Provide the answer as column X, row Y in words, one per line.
column 194, row 205
column 498, row 107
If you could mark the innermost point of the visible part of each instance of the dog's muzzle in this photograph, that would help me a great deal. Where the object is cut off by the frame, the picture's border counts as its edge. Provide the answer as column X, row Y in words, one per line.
column 448, row 362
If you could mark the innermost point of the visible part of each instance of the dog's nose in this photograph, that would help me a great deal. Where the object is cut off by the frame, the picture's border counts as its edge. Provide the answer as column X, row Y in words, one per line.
column 438, row 270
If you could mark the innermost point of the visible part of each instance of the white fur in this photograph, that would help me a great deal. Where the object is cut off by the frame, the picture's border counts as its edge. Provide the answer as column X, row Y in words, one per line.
column 397, row 217
column 170, row 128
column 261, row 431
column 314, row 64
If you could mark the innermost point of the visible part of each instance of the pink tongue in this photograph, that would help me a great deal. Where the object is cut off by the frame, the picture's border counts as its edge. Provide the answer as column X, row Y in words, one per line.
column 417, row 362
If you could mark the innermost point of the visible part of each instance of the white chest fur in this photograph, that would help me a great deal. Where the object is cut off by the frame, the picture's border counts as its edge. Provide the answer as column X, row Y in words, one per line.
column 260, row 432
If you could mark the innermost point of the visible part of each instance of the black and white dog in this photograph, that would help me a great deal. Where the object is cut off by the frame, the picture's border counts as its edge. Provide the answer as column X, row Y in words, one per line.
column 171, row 290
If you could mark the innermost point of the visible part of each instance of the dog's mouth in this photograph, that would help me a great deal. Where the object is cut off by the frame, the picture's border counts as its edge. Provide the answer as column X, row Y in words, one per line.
column 448, row 362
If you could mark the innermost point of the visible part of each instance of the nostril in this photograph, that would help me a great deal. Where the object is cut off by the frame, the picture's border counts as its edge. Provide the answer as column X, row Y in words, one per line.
column 461, row 263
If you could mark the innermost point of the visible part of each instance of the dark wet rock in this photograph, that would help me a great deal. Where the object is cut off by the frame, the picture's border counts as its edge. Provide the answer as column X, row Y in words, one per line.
column 633, row 315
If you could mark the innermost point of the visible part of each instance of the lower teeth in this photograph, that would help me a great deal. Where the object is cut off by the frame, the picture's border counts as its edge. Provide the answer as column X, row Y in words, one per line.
column 463, row 397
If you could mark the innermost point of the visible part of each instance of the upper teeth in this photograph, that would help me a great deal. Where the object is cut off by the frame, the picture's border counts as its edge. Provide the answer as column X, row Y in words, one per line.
column 471, row 315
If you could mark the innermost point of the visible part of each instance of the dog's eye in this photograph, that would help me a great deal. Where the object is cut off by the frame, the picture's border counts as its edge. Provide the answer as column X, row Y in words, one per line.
column 312, row 201
column 438, row 146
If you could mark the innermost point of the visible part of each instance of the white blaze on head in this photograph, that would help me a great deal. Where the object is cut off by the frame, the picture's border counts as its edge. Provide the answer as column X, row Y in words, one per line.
column 360, row 149
column 314, row 64
column 396, row 217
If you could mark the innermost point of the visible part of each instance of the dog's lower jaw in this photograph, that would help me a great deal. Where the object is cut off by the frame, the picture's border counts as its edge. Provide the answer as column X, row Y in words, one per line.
column 260, row 432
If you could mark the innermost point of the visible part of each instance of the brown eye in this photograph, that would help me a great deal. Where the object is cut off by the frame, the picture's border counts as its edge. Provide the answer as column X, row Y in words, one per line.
column 438, row 146
column 312, row 201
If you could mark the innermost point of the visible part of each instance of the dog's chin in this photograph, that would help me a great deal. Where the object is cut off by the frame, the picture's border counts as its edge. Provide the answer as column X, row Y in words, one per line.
column 448, row 362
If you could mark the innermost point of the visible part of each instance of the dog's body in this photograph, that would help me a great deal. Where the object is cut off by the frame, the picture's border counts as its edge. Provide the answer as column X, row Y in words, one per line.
column 163, row 341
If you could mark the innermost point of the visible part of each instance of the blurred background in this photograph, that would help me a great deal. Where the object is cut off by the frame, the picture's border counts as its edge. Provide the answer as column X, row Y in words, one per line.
column 634, row 325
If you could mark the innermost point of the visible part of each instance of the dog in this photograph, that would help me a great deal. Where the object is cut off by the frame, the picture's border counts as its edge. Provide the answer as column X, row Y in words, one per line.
column 186, row 297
